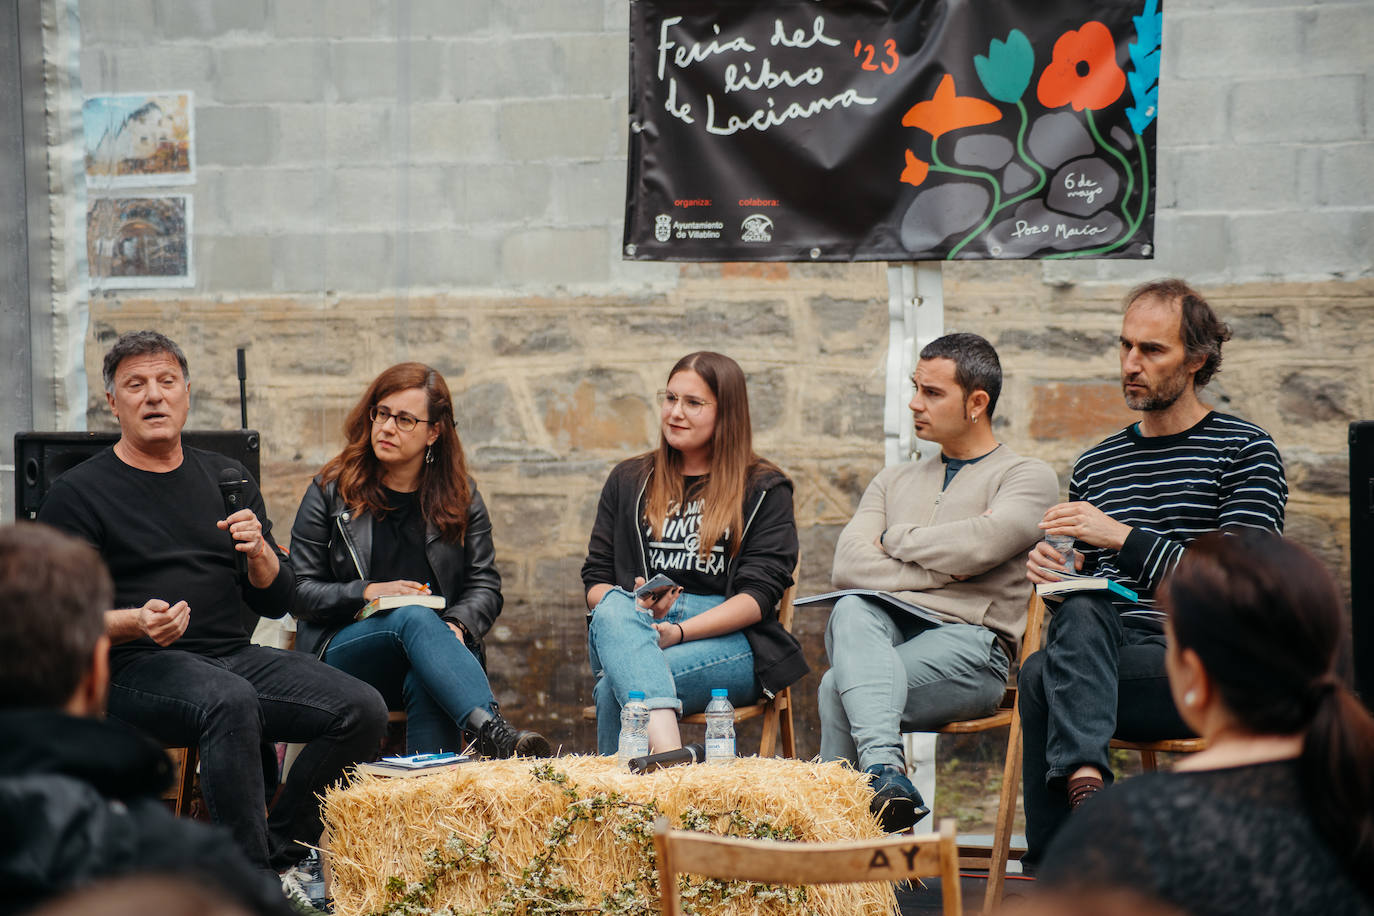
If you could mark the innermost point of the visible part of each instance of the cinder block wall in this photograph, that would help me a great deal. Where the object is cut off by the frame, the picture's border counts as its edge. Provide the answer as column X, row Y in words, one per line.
column 443, row 180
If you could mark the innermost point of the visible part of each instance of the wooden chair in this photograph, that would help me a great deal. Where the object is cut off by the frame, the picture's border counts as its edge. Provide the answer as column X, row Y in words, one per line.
column 1009, row 714
column 776, row 712
column 935, row 855
column 1148, row 749
column 184, row 763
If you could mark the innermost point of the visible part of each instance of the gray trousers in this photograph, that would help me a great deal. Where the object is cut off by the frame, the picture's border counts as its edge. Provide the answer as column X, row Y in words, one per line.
column 892, row 672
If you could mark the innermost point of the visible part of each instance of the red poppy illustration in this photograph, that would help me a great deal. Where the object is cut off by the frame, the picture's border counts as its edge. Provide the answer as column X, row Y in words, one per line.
column 916, row 169
column 1083, row 72
column 946, row 111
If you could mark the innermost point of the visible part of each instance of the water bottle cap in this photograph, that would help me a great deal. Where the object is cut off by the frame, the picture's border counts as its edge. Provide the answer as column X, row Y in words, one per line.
column 636, row 694
column 720, row 692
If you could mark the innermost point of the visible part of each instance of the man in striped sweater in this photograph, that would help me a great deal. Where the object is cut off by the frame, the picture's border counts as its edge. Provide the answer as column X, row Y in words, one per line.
column 1136, row 501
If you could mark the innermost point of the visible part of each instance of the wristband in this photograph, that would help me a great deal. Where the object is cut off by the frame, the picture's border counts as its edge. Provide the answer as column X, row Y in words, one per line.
column 681, row 636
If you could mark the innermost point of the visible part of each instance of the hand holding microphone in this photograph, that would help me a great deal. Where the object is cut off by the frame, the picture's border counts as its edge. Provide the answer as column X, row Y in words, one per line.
column 239, row 521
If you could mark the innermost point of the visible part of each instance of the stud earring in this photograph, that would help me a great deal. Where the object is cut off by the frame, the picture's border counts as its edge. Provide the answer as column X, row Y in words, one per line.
column 1190, row 698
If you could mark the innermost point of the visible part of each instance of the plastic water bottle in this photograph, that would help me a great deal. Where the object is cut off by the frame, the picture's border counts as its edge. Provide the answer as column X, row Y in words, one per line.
column 720, row 728
column 634, row 729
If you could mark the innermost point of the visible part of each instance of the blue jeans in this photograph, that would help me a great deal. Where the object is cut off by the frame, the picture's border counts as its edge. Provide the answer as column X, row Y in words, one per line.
column 227, row 706
column 892, row 672
column 418, row 664
column 623, row 646
column 1096, row 678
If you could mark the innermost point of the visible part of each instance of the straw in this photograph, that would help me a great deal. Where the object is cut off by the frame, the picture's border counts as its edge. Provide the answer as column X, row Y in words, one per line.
column 526, row 843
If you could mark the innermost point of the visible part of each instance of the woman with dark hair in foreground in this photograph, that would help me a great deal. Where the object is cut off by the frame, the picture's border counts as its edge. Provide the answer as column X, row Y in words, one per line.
column 1277, row 815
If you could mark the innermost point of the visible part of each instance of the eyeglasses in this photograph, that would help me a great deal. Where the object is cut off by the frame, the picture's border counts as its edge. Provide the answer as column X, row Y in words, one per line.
column 690, row 406
column 404, row 421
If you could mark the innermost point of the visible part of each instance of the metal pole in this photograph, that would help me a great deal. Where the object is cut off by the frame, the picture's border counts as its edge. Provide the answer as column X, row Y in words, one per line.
column 916, row 316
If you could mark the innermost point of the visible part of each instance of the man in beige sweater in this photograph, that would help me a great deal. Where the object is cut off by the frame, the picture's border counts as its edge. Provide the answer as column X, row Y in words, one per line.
column 948, row 537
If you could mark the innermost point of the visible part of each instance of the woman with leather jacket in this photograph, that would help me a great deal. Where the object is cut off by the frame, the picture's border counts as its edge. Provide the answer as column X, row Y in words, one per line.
column 396, row 514
column 706, row 511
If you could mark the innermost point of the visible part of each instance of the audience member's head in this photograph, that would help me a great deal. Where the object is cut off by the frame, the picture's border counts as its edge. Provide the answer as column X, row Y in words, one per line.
column 54, row 591
column 1201, row 330
column 976, row 366
column 1085, row 901
column 143, row 895
column 1261, row 618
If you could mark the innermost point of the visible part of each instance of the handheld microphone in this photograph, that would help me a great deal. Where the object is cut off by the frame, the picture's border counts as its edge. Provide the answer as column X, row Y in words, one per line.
column 692, row 753
column 231, row 484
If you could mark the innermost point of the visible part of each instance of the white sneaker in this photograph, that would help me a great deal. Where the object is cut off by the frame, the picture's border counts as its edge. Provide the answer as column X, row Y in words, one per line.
column 294, row 882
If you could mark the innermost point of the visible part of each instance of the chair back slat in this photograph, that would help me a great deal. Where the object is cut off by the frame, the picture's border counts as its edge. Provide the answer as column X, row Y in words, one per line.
column 896, row 858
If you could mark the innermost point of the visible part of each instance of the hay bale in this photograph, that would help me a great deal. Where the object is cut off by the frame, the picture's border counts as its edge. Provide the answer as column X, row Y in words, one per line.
column 575, row 835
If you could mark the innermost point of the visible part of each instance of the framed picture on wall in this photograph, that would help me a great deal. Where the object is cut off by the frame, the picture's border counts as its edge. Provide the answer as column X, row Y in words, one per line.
column 139, row 140
column 139, row 242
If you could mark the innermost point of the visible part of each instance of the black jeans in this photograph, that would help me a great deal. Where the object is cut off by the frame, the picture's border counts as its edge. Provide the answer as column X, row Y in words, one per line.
column 227, row 706
column 1097, row 677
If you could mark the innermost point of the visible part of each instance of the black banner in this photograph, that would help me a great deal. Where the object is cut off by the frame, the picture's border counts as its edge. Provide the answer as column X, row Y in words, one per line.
column 897, row 130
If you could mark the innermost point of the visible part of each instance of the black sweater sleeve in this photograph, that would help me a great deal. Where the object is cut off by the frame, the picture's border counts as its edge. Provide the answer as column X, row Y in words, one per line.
column 276, row 598
column 600, row 565
column 768, row 555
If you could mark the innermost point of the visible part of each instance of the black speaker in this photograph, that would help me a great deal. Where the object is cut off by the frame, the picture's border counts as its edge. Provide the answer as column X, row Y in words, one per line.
column 1362, row 556
column 41, row 458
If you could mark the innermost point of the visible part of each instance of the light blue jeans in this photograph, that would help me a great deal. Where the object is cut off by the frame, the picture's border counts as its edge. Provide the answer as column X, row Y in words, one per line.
column 623, row 647
column 893, row 672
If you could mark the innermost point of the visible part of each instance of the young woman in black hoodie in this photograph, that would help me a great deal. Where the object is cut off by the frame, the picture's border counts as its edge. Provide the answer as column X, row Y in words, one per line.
column 706, row 511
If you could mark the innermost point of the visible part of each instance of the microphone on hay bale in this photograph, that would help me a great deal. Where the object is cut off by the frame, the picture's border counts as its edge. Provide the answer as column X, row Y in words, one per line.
column 692, row 753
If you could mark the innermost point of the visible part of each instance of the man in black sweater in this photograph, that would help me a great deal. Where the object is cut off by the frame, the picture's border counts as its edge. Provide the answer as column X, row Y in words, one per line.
column 78, row 794
column 182, row 667
column 1136, row 501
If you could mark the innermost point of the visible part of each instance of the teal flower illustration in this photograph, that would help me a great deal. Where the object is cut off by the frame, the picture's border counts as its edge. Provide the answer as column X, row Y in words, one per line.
column 1144, row 75
column 1006, row 70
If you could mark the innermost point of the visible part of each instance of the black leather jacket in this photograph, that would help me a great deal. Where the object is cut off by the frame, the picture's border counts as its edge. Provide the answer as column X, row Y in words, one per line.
column 331, row 546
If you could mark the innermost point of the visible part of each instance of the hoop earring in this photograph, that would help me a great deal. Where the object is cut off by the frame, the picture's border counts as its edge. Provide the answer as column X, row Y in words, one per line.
column 429, row 454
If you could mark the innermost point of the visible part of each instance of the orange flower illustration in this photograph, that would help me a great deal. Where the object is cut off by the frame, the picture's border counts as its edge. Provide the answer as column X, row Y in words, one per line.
column 947, row 111
column 916, row 170
column 1083, row 72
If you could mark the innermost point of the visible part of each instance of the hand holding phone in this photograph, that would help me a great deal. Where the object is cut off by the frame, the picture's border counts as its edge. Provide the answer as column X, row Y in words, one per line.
column 657, row 596
column 650, row 592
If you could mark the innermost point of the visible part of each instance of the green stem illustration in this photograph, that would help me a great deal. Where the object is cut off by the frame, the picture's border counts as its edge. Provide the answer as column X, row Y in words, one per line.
column 1021, row 151
column 1120, row 157
column 938, row 165
column 1132, row 224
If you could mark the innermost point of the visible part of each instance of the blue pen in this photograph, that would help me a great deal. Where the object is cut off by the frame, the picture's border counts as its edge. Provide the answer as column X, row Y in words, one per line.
column 434, row 758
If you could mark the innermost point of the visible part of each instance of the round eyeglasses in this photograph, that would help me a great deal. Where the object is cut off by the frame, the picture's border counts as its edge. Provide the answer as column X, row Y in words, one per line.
column 404, row 421
column 690, row 406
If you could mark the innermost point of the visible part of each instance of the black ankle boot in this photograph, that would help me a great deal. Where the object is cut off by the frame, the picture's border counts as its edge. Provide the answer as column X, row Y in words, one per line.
column 498, row 738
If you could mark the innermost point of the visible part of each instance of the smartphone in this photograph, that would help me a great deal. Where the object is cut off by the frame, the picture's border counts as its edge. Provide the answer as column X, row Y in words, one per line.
column 653, row 590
